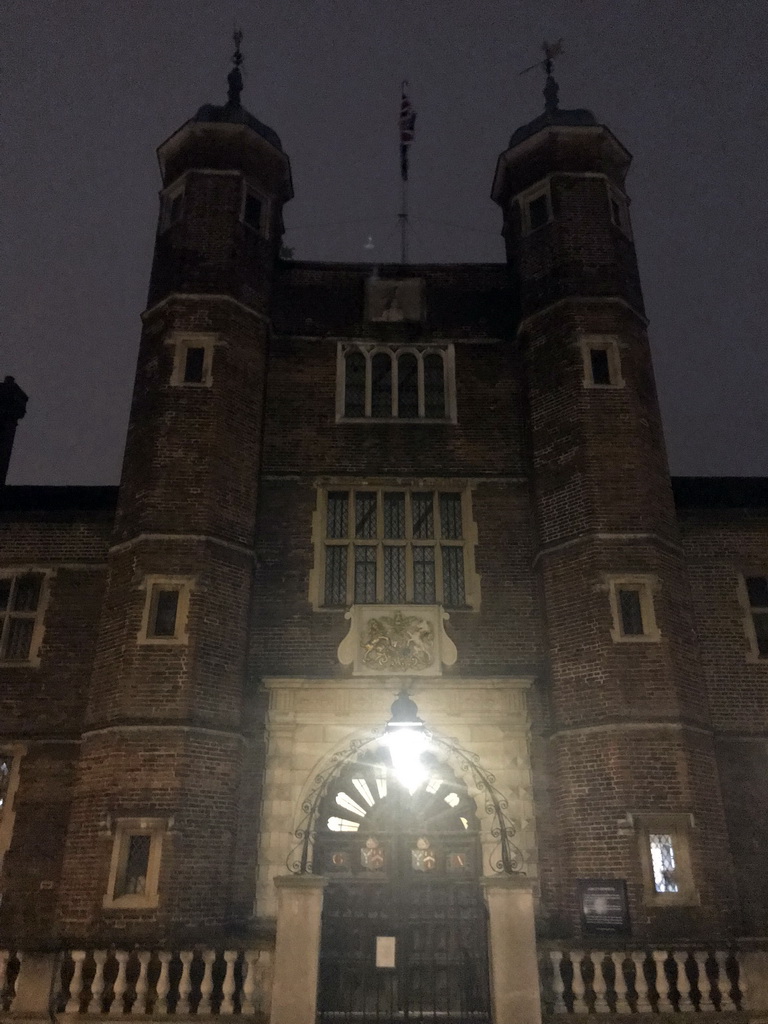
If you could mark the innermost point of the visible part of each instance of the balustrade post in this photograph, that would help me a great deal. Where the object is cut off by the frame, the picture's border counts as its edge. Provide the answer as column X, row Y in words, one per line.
column 4, row 957
column 703, row 983
column 120, row 985
column 35, row 984
column 641, row 983
column 228, row 985
column 621, row 989
column 558, row 986
column 76, row 984
column 185, row 983
column 723, row 981
column 662, row 986
column 206, row 985
column 140, row 1002
column 599, row 983
column 577, row 985
column 95, row 1005
column 163, row 986
column 250, row 958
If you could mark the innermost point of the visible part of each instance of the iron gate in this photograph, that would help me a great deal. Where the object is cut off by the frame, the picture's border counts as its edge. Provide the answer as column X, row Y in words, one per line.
column 404, row 930
column 440, row 968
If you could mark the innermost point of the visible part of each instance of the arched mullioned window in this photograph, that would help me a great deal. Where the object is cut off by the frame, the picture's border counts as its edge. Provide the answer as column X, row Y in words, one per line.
column 379, row 382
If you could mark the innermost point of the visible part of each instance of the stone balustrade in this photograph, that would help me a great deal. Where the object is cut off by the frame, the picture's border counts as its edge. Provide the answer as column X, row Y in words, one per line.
column 581, row 981
column 115, row 982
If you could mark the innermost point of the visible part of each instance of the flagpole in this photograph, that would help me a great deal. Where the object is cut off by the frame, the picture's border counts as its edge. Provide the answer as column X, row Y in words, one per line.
column 406, row 123
column 403, row 217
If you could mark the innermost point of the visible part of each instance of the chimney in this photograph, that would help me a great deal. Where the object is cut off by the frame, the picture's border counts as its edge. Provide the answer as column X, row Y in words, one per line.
column 13, row 405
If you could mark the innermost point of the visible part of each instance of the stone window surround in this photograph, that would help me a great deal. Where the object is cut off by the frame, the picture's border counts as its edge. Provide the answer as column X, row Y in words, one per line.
column 183, row 340
column 369, row 350
column 646, row 585
column 753, row 654
column 167, row 196
column 250, row 188
column 608, row 343
column 679, row 826
column 124, row 828
column 469, row 526
column 541, row 188
column 15, row 751
column 615, row 195
column 33, row 660
column 185, row 585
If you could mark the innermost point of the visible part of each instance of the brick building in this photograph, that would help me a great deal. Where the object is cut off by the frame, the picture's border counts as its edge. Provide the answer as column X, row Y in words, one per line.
column 343, row 482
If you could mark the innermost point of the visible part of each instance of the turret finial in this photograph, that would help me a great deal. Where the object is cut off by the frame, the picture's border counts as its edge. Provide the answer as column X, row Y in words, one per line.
column 235, row 77
column 551, row 88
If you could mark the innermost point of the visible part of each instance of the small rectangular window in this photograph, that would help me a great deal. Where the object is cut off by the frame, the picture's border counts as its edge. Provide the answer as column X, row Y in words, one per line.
column 619, row 210
column 538, row 212
column 632, row 608
column 193, row 355
column 165, row 611
column 757, row 594
column 134, row 872
column 663, row 862
column 664, row 840
column 5, row 778
column 631, row 612
column 602, row 361
column 20, row 615
column 252, row 211
column 165, row 605
column 132, row 880
column 601, row 371
column 194, row 366
column 171, row 208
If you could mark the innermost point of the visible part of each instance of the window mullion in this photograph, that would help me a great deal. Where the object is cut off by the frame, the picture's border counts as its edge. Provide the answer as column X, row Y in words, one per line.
column 379, row 546
column 420, row 378
column 438, row 552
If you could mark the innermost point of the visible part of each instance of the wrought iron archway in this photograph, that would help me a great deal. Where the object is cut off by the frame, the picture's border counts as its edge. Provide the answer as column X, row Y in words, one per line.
column 504, row 858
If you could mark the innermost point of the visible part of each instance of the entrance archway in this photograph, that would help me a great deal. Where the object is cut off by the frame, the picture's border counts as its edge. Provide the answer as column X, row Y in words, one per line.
column 404, row 931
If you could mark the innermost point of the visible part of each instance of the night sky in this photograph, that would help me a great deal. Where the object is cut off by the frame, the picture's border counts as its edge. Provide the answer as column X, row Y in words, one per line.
column 89, row 89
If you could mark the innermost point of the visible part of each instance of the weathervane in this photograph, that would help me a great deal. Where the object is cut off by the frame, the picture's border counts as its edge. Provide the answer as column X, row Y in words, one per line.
column 235, row 77
column 551, row 88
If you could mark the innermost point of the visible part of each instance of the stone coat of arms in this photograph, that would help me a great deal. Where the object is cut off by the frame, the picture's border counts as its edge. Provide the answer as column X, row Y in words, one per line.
column 398, row 643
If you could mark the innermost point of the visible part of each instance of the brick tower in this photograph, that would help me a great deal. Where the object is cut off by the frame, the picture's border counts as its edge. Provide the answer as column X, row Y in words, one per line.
column 166, row 745
column 632, row 770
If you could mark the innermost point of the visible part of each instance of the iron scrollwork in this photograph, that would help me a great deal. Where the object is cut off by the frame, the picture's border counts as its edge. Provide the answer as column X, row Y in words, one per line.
column 505, row 858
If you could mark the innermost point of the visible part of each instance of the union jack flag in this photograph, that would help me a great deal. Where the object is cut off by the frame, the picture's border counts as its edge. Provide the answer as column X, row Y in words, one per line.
column 407, row 123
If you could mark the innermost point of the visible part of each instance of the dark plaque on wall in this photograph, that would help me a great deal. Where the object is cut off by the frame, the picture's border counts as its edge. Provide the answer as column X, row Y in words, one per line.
column 603, row 904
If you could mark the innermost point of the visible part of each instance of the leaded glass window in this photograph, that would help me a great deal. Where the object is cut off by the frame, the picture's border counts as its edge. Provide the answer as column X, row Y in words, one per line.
column 757, row 591
column 20, row 605
column 5, row 778
column 663, row 862
column 394, row 546
column 395, row 382
column 631, row 612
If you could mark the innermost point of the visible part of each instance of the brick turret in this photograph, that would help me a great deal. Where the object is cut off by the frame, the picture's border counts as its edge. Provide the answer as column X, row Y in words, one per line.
column 630, row 742
column 13, row 406
column 166, row 749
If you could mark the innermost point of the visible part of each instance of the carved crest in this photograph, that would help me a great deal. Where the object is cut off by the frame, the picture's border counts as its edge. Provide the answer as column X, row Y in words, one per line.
column 423, row 857
column 372, row 855
column 398, row 643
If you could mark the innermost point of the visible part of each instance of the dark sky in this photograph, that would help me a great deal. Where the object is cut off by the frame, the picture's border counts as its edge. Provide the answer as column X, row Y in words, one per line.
column 89, row 89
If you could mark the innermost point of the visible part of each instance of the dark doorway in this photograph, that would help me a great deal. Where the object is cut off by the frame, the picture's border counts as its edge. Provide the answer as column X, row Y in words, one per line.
column 404, row 930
